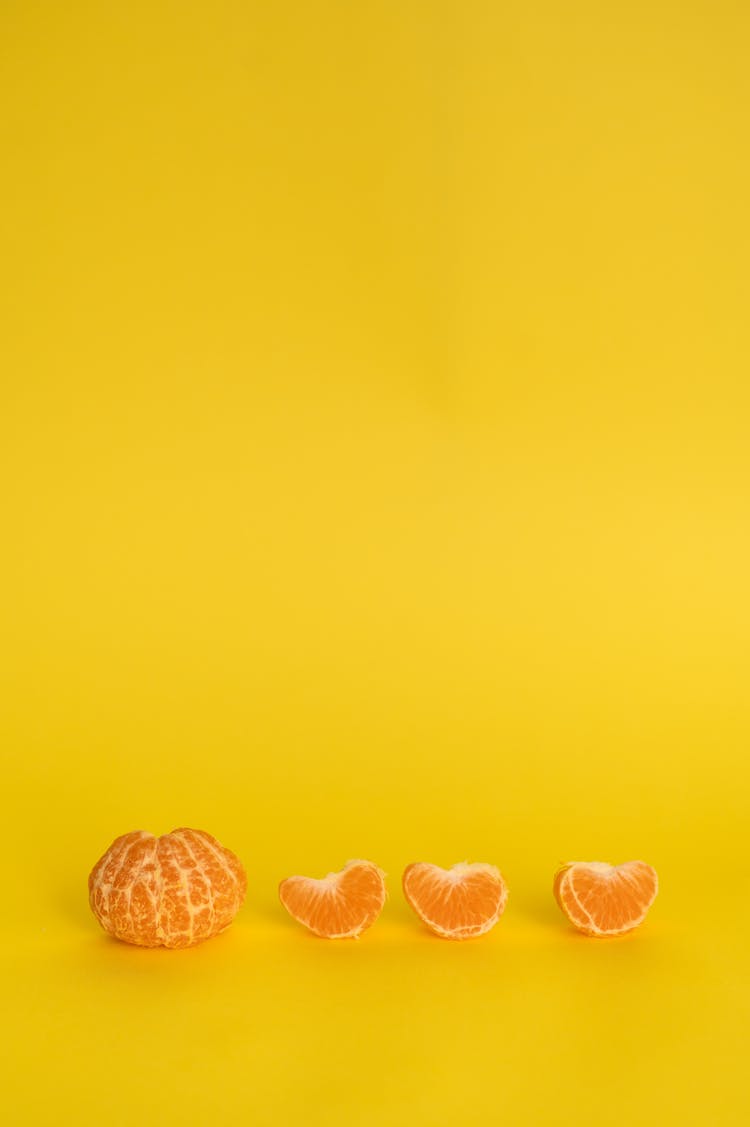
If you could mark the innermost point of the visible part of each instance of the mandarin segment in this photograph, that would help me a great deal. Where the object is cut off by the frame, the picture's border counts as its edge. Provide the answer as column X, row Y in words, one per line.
column 604, row 900
column 462, row 902
column 172, row 891
column 339, row 906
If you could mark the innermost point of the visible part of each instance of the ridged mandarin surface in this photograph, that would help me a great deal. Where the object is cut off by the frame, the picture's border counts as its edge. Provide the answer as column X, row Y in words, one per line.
column 605, row 900
column 338, row 906
column 462, row 902
column 170, row 891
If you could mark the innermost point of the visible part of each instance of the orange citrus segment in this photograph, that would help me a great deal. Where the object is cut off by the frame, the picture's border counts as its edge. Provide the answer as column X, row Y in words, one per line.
column 339, row 906
column 172, row 891
column 601, row 899
column 457, row 903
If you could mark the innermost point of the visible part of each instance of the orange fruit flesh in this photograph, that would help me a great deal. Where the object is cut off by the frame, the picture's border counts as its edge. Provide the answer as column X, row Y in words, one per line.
column 172, row 891
column 605, row 900
column 462, row 902
column 339, row 906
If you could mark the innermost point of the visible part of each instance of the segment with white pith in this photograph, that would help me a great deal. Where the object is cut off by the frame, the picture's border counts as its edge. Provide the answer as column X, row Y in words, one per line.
column 315, row 902
column 468, row 898
column 592, row 893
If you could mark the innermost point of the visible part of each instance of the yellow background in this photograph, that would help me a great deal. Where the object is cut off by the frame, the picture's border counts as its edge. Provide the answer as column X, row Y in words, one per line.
column 375, row 466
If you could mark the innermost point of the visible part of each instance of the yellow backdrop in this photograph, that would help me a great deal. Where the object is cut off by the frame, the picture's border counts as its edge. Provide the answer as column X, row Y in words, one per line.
column 375, row 463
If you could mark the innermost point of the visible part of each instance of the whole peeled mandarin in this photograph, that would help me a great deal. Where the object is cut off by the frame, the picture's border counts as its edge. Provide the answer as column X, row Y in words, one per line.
column 170, row 891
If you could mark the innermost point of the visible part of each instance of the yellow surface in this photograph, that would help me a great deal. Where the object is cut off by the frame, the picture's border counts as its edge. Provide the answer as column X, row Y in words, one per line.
column 374, row 448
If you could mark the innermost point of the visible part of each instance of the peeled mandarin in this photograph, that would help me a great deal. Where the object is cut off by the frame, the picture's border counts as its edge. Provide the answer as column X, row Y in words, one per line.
column 170, row 891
